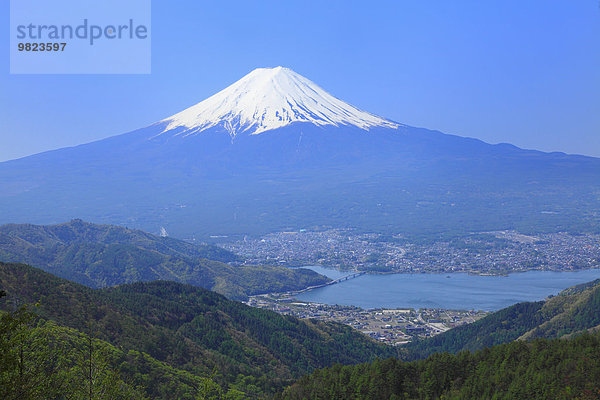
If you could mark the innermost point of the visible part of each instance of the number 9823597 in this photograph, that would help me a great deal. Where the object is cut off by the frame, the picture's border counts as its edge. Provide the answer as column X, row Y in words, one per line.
column 41, row 46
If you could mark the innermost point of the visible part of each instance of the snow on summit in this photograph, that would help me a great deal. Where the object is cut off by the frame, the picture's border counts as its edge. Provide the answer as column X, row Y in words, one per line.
column 270, row 98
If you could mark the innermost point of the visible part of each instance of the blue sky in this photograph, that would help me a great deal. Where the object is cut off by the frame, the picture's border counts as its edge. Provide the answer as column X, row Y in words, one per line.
column 523, row 72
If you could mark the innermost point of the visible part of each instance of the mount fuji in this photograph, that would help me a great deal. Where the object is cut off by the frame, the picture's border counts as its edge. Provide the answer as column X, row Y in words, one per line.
column 271, row 98
column 274, row 151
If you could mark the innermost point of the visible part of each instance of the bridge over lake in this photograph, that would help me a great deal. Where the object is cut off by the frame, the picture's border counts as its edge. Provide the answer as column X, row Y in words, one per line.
column 333, row 282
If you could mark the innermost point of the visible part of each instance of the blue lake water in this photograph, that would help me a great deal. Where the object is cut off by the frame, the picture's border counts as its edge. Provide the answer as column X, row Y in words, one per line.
column 450, row 291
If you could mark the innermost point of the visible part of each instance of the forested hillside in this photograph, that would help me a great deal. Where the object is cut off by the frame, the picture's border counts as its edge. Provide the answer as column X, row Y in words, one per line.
column 539, row 370
column 189, row 328
column 573, row 310
column 42, row 360
column 106, row 255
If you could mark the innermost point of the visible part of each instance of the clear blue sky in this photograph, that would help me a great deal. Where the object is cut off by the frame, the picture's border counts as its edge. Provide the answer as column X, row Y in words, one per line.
column 525, row 72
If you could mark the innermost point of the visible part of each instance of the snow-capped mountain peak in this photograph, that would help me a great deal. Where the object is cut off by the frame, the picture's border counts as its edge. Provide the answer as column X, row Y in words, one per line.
column 271, row 98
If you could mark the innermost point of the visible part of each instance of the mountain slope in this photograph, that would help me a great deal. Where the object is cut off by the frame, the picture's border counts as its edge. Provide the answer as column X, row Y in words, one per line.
column 571, row 312
column 105, row 255
column 43, row 360
column 78, row 231
column 193, row 329
column 539, row 370
column 274, row 152
column 267, row 99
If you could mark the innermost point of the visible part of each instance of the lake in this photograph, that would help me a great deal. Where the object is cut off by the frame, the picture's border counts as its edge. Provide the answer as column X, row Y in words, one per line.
column 450, row 291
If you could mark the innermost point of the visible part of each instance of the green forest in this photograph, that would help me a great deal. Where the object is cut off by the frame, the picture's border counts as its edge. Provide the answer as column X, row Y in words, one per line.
column 167, row 340
column 164, row 339
column 107, row 255
column 542, row 369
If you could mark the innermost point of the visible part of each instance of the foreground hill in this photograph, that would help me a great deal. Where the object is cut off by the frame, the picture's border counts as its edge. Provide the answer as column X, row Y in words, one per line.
column 193, row 329
column 572, row 311
column 275, row 152
column 108, row 255
column 539, row 370
column 40, row 360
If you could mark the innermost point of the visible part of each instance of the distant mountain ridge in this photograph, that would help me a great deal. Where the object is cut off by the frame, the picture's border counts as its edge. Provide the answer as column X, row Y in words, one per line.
column 108, row 255
column 274, row 152
column 78, row 231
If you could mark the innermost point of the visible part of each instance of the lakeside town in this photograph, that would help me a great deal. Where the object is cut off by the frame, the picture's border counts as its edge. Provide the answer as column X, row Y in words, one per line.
column 498, row 252
column 493, row 253
column 391, row 326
